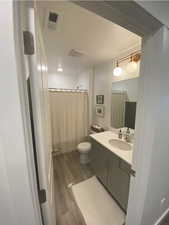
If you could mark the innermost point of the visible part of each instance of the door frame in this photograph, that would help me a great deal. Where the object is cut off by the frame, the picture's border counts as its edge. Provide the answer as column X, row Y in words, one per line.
column 105, row 10
column 24, row 11
column 22, row 74
column 22, row 71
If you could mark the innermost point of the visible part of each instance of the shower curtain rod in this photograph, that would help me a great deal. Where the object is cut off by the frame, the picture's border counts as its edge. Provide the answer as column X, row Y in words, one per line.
column 65, row 89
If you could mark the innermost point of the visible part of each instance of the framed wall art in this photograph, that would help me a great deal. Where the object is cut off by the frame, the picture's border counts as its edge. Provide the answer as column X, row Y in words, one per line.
column 100, row 110
column 99, row 99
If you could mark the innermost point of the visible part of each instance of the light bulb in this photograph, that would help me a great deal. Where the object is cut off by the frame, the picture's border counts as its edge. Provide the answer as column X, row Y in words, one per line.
column 117, row 71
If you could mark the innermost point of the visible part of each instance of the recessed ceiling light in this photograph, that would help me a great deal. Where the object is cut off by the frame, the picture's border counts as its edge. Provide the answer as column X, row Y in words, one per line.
column 60, row 69
column 42, row 67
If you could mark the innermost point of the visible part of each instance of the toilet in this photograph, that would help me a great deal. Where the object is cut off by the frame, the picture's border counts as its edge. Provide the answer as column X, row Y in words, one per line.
column 84, row 149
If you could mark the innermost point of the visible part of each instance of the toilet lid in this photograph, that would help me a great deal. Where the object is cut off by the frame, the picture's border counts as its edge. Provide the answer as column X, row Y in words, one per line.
column 84, row 147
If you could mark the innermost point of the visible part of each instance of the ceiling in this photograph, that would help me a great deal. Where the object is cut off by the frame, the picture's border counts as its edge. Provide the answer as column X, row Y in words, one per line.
column 77, row 28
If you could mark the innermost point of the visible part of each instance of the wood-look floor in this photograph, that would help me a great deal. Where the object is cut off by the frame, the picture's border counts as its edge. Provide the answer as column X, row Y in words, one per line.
column 165, row 221
column 67, row 170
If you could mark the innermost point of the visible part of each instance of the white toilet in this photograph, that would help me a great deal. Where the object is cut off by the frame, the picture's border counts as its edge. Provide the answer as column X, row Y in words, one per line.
column 84, row 149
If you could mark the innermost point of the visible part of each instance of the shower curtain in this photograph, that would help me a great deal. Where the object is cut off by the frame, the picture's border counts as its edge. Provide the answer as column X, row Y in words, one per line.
column 69, row 119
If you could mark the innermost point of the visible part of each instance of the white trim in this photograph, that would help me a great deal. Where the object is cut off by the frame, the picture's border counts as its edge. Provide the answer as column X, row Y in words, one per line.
column 19, row 202
column 162, row 217
column 25, row 109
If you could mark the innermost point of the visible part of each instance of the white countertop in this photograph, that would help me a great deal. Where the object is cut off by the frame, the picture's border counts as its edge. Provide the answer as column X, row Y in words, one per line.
column 104, row 137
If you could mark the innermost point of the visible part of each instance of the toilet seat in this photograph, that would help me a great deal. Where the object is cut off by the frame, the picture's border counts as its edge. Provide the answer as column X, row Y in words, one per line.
column 84, row 147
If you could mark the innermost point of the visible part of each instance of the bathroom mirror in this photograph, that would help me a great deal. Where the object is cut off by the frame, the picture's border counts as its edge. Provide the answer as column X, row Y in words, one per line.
column 123, row 103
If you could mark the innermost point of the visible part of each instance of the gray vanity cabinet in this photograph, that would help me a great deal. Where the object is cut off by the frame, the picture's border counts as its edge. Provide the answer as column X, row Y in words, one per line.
column 112, row 171
column 99, row 160
column 118, row 180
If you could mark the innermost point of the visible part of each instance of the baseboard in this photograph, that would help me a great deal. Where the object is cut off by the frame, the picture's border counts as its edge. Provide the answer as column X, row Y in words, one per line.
column 162, row 217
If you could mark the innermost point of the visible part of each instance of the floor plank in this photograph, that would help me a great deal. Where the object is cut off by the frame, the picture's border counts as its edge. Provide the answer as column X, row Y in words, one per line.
column 68, row 170
column 165, row 221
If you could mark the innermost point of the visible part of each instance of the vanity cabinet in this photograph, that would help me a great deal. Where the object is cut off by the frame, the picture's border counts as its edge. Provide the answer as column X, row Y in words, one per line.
column 118, row 179
column 113, row 172
column 99, row 160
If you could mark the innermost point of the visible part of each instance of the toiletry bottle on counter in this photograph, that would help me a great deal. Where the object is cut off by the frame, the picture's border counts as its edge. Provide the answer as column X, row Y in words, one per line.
column 128, row 135
column 120, row 134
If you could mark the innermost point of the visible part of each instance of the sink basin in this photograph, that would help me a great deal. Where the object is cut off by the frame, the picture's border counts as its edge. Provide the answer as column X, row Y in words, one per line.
column 122, row 145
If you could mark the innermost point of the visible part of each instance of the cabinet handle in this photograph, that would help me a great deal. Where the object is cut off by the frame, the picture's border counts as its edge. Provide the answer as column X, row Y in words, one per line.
column 129, row 171
column 132, row 172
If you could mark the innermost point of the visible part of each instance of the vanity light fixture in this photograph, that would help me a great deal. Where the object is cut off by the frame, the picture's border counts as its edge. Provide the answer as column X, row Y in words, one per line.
column 117, row 70
column 132, row 65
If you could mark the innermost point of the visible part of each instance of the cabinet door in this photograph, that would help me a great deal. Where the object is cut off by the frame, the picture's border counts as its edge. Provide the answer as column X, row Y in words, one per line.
column 118, row 180
column 99, row 161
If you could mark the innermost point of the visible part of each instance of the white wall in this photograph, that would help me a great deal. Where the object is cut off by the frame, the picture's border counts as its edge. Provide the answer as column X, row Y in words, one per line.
column 130, row 86
column 159, row 9
column 102, row 86
column 158, row 96
column 72, row 81
column 83, row 79
column 151, row 158
column 16, row 191
column 62, row 80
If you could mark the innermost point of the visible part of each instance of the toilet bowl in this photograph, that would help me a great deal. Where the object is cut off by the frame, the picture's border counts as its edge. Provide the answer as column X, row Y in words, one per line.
column 84, row 149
